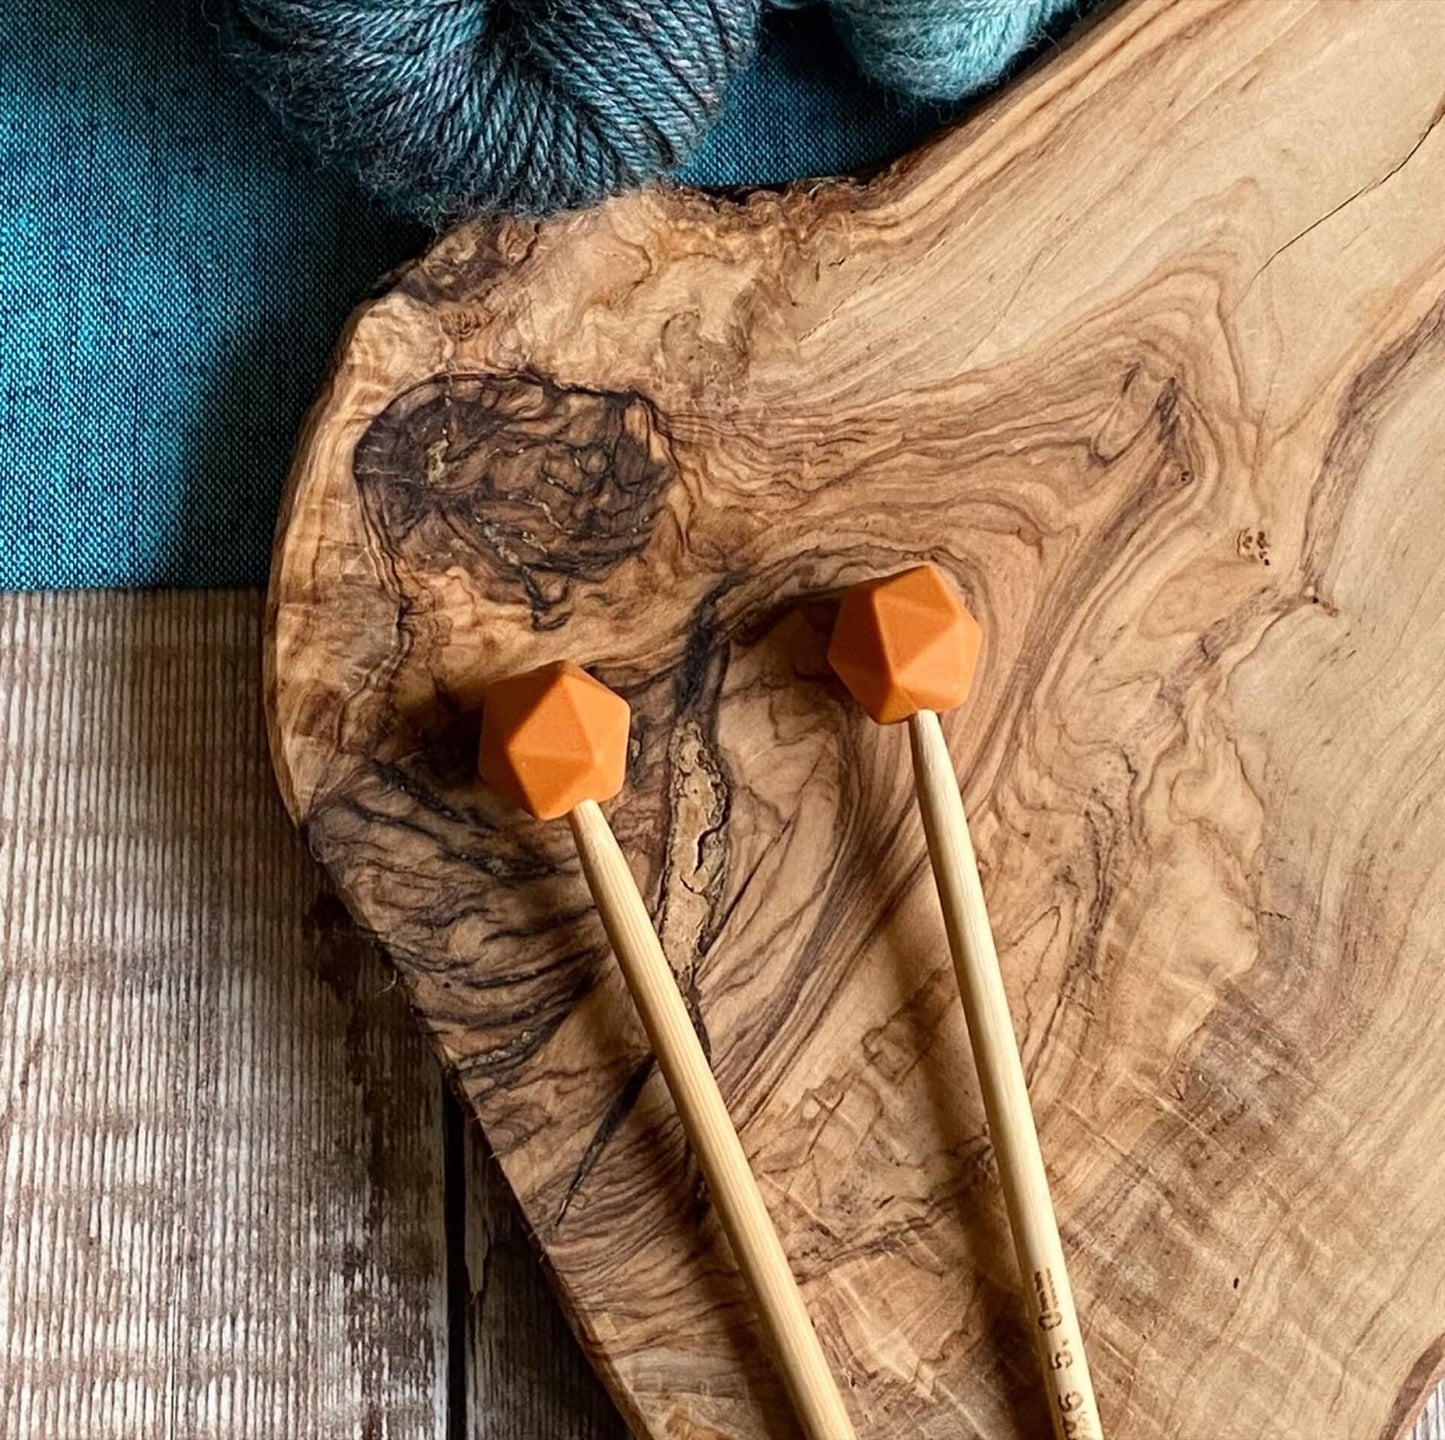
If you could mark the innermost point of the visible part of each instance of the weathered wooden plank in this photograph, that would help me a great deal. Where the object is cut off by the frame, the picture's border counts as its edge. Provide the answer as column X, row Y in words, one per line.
column 528, row 1375
column 1431, row 1425
column 221, row 1203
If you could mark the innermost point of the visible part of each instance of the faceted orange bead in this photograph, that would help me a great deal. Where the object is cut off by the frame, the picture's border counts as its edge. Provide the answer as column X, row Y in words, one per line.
column 905, row 644
column 552, row 738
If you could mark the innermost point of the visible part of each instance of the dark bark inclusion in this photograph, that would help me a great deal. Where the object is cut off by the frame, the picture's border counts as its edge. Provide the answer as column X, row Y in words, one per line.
column 515, row 479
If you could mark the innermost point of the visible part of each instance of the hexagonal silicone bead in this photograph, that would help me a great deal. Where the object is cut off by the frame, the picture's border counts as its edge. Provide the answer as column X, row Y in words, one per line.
column 552, row 738
column 904, row 644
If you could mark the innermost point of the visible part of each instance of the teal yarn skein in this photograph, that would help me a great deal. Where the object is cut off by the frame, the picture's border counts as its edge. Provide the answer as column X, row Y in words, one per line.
column 450, row 107
column 941, row 49
column 445, row 107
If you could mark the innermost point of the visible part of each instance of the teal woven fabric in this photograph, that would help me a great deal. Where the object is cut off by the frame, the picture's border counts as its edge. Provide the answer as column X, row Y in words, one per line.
column 173, row 273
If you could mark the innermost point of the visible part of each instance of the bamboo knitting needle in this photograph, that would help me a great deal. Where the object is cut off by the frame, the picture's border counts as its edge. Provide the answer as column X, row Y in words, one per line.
column 555, row 741
column 907, row 648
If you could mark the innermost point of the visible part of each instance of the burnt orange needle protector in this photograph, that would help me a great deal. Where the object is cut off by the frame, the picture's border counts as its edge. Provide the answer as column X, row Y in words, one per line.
column 906, row 647
column 554, row 741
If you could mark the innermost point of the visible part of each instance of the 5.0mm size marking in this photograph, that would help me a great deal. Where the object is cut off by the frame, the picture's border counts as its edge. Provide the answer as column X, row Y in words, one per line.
column 1074, row 1418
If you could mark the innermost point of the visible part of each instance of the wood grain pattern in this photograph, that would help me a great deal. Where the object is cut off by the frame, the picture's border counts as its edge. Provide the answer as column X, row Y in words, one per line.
column 521, row 1367
column 221, row 1160
column 1150, row 356
column 222, row 1190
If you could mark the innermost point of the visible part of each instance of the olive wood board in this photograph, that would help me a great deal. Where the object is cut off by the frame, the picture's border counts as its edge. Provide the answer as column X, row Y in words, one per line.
column 1149, row 356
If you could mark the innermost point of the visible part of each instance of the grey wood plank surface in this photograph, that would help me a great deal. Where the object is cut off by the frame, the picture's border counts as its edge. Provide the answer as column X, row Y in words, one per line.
column 234, row 1204
column 221, row 1197
column 528, row 1376
column 1431, row 1425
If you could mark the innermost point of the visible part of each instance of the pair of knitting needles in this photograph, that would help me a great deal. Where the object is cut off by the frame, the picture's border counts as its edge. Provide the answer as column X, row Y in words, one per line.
column 554, row 740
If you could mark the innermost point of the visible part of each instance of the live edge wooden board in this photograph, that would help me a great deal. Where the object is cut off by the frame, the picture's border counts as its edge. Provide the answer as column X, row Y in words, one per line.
column 1150, row 356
